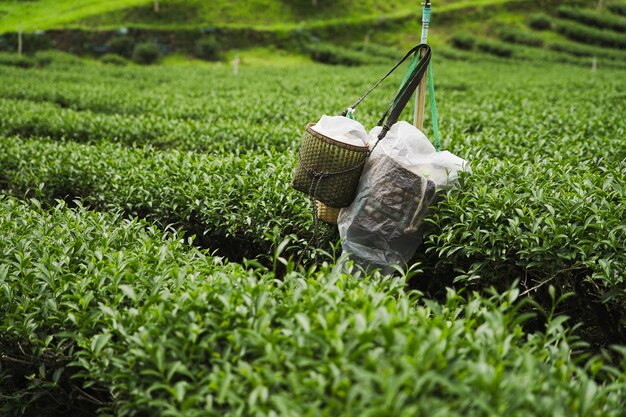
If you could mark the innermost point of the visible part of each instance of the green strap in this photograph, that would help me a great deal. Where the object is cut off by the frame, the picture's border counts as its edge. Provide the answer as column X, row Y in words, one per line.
column 431, row 96
column 433, row 107
column 409, row 71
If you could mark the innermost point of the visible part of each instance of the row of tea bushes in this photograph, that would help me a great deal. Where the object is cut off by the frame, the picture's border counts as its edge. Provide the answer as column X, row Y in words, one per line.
column 538, row 220
column 179, row 107
column 593, row 18
column 579, row 49
column 541, row 221
column 186, row 92
column 547, row 104
column 589, row 34
column 574, row 48
column 235, row 204
column 109, row 312
column 29, row 118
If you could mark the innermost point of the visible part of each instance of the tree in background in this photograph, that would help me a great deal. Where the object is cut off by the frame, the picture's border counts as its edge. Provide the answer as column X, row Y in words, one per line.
column 156, row 6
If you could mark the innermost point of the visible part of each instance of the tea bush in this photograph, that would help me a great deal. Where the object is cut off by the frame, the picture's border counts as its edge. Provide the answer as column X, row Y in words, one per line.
column 539, row 21
column 588, row 34
column 519, row 36
column 593, row 18
column 146, row 53
column 235, row 205
column 519, row 234
column 335, row 55
column 542, row 212
column 57, row 60
column 463, row 41
column 208, row 48
column 143, row 324
column 617, row 8
column 121, row 45
column 578, row 49
column 377, row 50
column 15, row 60
column 114, row 59
column 495, row 48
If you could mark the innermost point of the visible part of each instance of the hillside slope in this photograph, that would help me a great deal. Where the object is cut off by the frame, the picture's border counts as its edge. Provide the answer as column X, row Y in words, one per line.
column 98, row 14
column 574, row 33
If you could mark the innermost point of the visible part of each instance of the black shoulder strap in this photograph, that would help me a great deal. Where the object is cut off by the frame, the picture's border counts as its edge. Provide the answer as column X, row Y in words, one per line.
column 403, row 95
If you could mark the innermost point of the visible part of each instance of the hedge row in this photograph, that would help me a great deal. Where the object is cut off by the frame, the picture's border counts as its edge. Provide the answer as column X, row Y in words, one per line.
column 174, row 109
column 234, row 204
column 568, row 52
column 336, row 55
column 498, row 228
column 539, row 21
column 182, row 92
column 379, row 51
column 28, row 118
column 466, row 41
column 593, row 18
column 497, row 48
column 586, row 34
column 112, row 313
column 463, row 40
column 617, row 7
column 15, row 60
column 544, row 221
column 579, row 49
column 513, row 35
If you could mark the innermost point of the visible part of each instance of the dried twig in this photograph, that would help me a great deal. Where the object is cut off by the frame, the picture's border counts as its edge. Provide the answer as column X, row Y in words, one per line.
column 542, row 283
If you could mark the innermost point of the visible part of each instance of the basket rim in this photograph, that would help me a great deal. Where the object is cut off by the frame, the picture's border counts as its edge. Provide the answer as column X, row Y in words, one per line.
column 332, row 141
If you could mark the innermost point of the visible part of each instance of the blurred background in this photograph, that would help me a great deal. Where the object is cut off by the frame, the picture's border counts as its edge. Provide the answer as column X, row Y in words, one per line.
column 334, row 32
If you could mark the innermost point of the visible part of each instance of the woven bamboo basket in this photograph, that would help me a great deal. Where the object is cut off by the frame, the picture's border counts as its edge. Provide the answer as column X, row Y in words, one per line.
column 329, row 170
column 327, row 214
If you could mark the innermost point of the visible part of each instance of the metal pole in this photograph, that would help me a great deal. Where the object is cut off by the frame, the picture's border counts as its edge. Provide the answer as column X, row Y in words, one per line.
column 420, row 97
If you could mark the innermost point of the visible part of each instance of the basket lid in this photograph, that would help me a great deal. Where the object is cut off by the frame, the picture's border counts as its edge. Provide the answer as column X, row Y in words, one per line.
column 315, row 133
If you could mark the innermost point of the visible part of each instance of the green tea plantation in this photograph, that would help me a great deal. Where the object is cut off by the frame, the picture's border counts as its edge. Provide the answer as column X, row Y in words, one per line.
column 155, row 261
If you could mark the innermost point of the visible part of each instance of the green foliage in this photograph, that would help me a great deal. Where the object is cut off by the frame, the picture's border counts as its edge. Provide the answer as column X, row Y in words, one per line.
column 254, row 153
column 114, row 59
column 199, row 193
column 51, row 14
column 335, row 55
column 151, row 326
column 146, row 53
column 121, row 45
column 463, row 40
column 376, row 50
column 544, row 206
column 617, row 8
column 526, row 225
column 31, row 42
column 579, row 49
column 539, row 21
column 39, row 59
column 513, row 35
column 208, row 48
column 500, row 49
column 58, row 59
column 15, row 60
column 593, row 18
column 587, row 34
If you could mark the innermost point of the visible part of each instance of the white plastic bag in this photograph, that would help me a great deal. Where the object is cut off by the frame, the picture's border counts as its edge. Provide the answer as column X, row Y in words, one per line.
column 398, row 184
column 342, row 129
